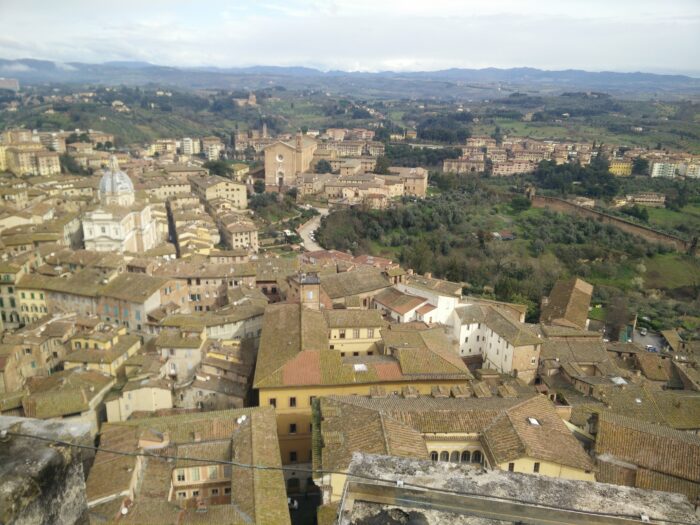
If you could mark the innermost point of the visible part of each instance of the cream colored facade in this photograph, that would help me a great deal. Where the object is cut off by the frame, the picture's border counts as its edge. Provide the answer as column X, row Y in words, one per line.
column 529, row 465
column 31, row 159
column 215, row 187
column 285, row 161
column 148, row 398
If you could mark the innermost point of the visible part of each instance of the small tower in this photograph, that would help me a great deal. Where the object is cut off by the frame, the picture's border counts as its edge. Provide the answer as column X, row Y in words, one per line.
column 307, row 288
column 298, row 142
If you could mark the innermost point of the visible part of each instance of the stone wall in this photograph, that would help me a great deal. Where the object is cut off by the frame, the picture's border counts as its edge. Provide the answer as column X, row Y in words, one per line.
column 653, row 236
column 42, row 483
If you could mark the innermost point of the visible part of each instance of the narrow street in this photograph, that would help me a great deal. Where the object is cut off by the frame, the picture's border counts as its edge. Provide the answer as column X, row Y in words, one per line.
column 311, row 226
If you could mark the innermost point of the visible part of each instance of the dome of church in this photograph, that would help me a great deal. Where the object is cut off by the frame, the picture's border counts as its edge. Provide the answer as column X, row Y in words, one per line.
column 116, row 187
column 114, row 181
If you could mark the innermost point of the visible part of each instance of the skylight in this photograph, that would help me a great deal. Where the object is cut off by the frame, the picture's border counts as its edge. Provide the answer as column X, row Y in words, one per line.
column 534, row 422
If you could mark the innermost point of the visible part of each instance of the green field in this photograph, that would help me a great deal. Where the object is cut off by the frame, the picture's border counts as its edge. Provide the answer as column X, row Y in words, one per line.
column 670, row 219
column 671, row 271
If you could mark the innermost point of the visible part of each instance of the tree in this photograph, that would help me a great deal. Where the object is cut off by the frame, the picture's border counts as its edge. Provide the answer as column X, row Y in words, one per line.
column 323, row 166
column 617, row 316
column 640, row 166
column 497, row 135
column 70, row 165
column 259, row 186
column 520, row 203
column 219, row 167
column 382, row 166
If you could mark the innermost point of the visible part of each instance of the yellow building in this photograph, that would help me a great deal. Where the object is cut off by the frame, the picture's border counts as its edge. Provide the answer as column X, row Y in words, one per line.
column 31, row 297
column 102, row 351
column 506, row 432
column 298, row 361
column 621, row 168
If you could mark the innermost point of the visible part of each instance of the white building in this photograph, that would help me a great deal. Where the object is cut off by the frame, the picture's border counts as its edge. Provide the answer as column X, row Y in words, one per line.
column 442, row 296
column 664, row 169
column 119, row 224
column 504, row 343
column 190, row 146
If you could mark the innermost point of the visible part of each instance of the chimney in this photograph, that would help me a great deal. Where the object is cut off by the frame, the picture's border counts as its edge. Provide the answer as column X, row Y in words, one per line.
column 298, row 144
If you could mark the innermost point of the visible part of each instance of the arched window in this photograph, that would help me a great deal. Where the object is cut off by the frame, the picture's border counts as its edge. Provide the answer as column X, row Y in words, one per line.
column 476, row 457
column 434, row 455
column 454, row 457
column 444, row 456
column 466, row 456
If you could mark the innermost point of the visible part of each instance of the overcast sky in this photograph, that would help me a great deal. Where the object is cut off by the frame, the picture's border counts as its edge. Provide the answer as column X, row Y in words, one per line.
column 368, row 35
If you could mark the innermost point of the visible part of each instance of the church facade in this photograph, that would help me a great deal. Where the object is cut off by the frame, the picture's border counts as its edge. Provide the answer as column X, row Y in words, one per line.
column 119, row 223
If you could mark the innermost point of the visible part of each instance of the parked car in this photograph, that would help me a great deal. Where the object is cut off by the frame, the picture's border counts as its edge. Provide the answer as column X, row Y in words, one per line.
column 293, row 504
column 652, row 348
column 643, row 331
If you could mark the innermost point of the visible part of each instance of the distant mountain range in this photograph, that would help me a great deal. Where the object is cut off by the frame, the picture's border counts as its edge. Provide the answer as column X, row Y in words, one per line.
column 457, row 82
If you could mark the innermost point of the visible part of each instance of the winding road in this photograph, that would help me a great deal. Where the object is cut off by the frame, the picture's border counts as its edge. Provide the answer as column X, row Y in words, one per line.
column 310, row 226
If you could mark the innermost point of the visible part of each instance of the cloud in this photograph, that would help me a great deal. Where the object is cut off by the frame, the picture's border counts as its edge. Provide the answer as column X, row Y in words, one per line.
column 15, row 68
column 367, row 35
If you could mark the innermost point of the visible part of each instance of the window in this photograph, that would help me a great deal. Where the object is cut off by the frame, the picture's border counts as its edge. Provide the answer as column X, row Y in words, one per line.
column 214, row 492
column 273, row 402
column 355, row 354
column 195, row 493
column 536, row 467
column 292, row 428
column 454, row 457
column 476, row 457
column 356, row 333
column 293, row 457
column 434, row 456
column 370, row 333
column 181, row 475
column 311, row 400
column 444, row 456
column 341, row 333
column 533, row 360
column 466, row 456
column 195, row 474
column 181, row 495
column 213, row 472
column 511, row 467
column 292, row 402
column 227, row 490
